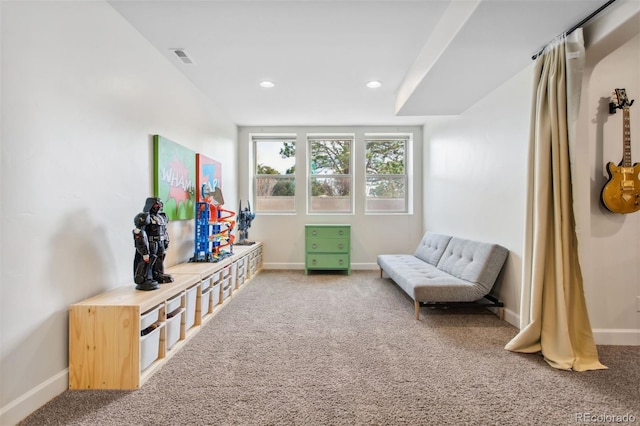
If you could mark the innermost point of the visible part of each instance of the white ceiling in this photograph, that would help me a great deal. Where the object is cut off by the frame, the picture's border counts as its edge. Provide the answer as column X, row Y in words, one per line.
column 434, row 57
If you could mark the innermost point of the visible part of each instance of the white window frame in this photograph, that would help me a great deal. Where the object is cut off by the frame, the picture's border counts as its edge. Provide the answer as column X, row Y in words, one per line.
column 407, row 138
column 313, row 137
column 255, row 139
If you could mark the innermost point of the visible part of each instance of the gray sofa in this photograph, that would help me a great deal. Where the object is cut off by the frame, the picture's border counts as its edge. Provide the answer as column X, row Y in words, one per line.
column 446, row 270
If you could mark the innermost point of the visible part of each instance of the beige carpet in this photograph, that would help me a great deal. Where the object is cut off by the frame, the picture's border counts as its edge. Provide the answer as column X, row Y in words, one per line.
column 329, row 349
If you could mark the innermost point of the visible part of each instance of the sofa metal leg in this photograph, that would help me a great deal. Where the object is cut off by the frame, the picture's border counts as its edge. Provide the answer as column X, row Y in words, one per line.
column 417, row 305
column 380, row 272
column 501, row 313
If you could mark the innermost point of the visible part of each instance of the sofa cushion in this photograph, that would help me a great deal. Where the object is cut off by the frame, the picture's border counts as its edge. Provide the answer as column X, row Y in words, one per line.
column 424, row 282
column 431, row 247
column 473, row 261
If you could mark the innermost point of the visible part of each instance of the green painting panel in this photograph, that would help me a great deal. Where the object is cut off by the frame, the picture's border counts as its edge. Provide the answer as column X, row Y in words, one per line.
column 174, row 178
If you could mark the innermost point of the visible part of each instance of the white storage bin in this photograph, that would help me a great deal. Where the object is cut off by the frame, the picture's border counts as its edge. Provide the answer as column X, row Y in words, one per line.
column 215, row 277
column 150, row 317
column 253, row 265
column 173, row 327
column 234, row 275
column 205, row 300
column 206, row 283
column 191, row 306
column 215, row 294
column 241, row 278
column 241, row 264
column 174, row 303
column 225, row 272
column 226, row 288
column 150, row 347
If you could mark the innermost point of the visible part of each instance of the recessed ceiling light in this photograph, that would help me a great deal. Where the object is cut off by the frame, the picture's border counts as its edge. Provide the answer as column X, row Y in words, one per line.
column 267, row 83
column 374, row 84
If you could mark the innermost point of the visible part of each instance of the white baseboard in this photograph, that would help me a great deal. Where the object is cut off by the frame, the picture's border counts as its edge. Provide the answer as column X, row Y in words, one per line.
column 283, row 266
column 298, row 266
column 512, row 317
column 601, row 336
column 26, row 404
column 365, row 266
column 616, row 337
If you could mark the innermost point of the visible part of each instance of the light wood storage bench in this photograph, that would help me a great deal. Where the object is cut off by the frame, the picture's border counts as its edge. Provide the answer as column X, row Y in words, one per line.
column 118, row 339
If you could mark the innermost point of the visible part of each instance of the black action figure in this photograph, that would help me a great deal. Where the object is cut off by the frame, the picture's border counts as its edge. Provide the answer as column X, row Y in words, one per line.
column 151, row 241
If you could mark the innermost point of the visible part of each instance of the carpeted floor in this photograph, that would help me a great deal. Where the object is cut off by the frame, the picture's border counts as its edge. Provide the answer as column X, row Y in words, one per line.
column 328, row 349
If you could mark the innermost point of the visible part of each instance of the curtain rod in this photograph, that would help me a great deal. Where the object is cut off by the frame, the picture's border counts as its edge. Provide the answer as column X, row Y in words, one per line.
column 579, row 24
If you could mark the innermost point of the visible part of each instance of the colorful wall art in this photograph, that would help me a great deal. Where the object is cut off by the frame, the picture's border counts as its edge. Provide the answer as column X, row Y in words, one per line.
column 209, row 171
column 174, row 178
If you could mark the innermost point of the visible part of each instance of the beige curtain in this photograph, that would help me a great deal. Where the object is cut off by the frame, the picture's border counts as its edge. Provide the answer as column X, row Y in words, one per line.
column 553, row 316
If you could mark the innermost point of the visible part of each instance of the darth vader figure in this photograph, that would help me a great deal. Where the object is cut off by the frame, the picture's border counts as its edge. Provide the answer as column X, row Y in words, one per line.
column 151, row 240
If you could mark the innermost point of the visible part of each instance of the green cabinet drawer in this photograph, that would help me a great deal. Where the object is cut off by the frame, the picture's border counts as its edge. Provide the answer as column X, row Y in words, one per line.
column 331, row 245
column 327, row 261
column 327, row 232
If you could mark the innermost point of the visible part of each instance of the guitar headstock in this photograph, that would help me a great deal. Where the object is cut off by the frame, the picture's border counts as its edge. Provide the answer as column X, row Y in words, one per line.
column 619, row 100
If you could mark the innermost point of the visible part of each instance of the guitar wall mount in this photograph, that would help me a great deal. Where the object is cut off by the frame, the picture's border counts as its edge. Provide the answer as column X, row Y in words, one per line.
column 613, row 107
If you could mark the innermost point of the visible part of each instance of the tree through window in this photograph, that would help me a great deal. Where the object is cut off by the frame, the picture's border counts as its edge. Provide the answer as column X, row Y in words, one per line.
column 330, row 180
column 386, row 174
column 275, row 185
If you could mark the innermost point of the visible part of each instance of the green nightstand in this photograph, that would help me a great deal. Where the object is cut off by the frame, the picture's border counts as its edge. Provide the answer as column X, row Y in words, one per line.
column 327, row 247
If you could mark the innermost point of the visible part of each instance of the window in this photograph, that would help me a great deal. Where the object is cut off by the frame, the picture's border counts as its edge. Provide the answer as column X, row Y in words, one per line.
column 386, row 174
column 275, row 185
column 330, row 181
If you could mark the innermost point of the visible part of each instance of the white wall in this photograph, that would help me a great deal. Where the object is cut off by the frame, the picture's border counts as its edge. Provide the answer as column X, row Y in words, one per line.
column 283, row 235
column 609, row 243
column 82, row 93
column 611, row 255
column 474, row 175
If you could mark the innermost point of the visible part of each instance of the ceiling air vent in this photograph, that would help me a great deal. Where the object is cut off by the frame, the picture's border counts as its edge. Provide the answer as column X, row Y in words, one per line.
column 183, row 56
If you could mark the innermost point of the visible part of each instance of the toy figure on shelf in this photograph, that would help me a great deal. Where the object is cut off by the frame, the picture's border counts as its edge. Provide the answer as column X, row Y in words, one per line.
column 213, row 227
column 151, row 240
column 245, row 217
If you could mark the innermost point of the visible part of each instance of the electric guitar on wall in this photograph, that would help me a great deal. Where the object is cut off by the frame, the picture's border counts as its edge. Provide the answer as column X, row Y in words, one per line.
column 621, row 193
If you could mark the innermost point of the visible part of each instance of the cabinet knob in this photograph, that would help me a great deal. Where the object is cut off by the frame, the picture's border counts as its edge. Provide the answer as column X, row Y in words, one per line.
column 314, row 245
column 314, row 261
column 340, row 245
column 341, row 261
column 341, row 232
column 314, row 232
